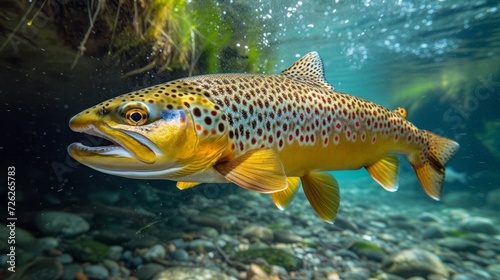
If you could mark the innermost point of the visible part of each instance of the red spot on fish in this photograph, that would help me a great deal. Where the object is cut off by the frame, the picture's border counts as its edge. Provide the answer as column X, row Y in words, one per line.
column 338, row 126
column 325, row 141
column 409, row 138
column 198, row 127
column 290, row 137
column 357, row 124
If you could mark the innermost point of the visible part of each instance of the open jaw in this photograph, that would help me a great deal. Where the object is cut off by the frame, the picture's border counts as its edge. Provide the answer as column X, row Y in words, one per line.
column 126, row 148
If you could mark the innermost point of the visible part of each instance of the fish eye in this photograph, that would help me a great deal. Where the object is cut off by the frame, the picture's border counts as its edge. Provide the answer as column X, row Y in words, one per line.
column 136, row 116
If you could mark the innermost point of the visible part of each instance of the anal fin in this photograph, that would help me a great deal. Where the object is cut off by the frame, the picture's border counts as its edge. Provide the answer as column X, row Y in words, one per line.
column 322, row 191
column 186, row 185
column 385, row 172
column 282, row 198
column 257, row 170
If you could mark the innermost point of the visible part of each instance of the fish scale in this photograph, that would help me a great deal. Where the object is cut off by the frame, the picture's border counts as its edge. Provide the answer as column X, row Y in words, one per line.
column 265, row 133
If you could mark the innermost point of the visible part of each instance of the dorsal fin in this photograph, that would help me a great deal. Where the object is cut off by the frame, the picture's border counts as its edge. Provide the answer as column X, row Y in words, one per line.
column 308, row 69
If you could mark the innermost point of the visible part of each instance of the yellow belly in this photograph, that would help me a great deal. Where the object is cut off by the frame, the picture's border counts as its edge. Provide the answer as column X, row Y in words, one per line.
column 299, row 160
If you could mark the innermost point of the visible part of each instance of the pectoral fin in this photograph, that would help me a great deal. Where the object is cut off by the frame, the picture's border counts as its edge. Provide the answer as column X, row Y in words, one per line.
column 258, row 170
column 385, row 172
column 186, row 185
column 282, row 198
column 322, row 191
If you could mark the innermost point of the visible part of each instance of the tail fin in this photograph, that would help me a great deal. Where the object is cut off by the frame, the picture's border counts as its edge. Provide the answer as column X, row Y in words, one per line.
column 430, row 173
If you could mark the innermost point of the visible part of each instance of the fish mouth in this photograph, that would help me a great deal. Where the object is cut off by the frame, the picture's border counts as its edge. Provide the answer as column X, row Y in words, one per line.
column 126, row 148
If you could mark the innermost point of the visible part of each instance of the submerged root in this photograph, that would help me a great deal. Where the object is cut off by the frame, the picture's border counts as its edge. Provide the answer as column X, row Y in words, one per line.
column 21, row 22
column 92, row 18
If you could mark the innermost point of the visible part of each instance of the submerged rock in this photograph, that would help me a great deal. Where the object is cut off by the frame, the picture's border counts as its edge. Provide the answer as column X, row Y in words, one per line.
column 201, row 246
column 148, row 271
column 272, row 256
column 254, row 272
column 346, row 223
column 479, row 225
column 88, row 250
column 180, row 255
column 209, row 220
column 141, row 242
column 459, row 244
column 97, row 272
column 155, row 252
column 368, row 250
column 286, row 237
column 190, row 273
column 414, row 262
column 61, row 223
column 71, row 270
column 40, row 269
column 259, row 232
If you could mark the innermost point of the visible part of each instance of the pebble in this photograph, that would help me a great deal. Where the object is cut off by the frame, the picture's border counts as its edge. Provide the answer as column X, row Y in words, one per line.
column 478, row 225
column 209, row 232
column 180, row 255
column 61, row 224
column 190, row 273
column 414, row 262
column 71, row 270
column 433, row 232
column 155, row 252
column 97, row 272
column 64, row 258
column 286, row 237
column 149, row 271
column 40, row 269
column 458, row 244
column 45, row 243
column 356, row 274
column 115, row 252
column 255, row 272
column 258, row 232
column 112, row 266
column 201, row 246
column 346, row 223
column 209, row 220
column 141, row 242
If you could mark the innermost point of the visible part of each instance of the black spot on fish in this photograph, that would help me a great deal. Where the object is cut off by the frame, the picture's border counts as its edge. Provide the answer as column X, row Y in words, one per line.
column 197, row 112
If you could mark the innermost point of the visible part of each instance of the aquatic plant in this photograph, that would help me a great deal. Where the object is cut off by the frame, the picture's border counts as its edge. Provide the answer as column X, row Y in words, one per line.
column 161, row 35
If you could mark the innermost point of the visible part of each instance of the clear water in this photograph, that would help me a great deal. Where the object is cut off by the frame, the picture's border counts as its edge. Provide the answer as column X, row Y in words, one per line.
column 439, row 59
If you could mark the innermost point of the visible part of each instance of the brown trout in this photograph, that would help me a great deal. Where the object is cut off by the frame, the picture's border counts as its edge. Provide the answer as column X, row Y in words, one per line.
column 265, row 133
